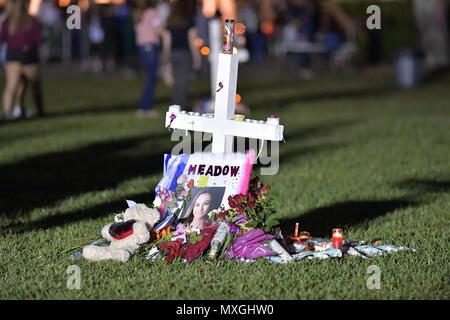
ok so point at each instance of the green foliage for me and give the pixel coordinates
(194, 238)
(226, 243)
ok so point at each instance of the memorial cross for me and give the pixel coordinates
(222, 124)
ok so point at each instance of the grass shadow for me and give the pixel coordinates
(320, 221)
(45, 179)
(98, 211)
(288, 155)
(283, 102)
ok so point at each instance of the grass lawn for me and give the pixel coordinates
(359, 154)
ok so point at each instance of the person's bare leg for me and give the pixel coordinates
(18, 104)
(12, 72)
(32, 73)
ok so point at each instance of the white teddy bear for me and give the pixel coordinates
(125, 236)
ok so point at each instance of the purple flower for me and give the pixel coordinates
(242, 220)
(234, 229)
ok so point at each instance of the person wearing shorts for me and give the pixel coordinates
(22, 35)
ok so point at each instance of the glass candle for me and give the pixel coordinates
(228, 38)
(337, 238)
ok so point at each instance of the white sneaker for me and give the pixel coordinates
(17, 112)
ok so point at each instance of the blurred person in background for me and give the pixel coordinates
(96, 38)
(248, 15)
(183, 54)
(149, 29)
(50, 17)
(22, 35)
(127, 41)
(431, 17)
(337, 30)
(108, 18)
(18, 97)
(317, 28)
(227, 8)
(300, 27)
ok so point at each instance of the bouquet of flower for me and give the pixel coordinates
(242, 213)
(251, 211)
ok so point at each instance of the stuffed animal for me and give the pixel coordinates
(125, 236)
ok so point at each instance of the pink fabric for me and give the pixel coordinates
(147, 28)
(247, 246)
(247, 171)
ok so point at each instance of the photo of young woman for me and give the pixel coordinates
(203, 201)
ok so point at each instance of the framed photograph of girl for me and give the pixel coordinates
(203, 200)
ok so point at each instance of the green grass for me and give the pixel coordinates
(359, 154)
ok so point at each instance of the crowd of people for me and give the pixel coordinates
(160, 37)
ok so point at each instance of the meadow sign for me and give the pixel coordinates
(202, 169)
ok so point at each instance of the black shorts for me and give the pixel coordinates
(23, 56)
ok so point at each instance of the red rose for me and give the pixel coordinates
(222, 215)
(231, 202)
(265, 188)
(250, 204)
(240, 208)
(191, 183)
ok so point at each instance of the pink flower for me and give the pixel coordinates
(265, 188)
(180, 230)
(184, 193)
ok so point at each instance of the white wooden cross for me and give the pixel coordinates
(222, 125)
